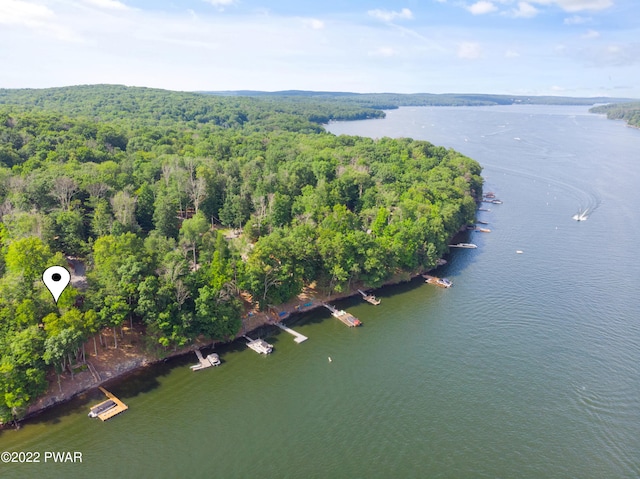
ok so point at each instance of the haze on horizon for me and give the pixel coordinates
(534, 47)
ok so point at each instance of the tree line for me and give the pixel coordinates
(629, 112)
(186, 224)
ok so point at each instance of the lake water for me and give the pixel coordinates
(529, 367)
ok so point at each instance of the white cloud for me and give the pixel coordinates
(577, 20)
(108, 4)
(17, 12)
(313, 23)
(482, 7)
(577, 5)
(525, 10)
(383, 52)
(38, 18)
(591, 34)
(390, 15)
(220, 4)
(469, 50)
(167, 47)
(557, 89)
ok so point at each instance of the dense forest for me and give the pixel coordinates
(389, 101)
(630, 112)
(190, 209)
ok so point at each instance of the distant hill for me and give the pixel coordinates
(156, 106)
(388, 101)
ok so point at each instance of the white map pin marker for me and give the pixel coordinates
(56, 279)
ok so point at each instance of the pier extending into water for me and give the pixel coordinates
(109, 408)
(348, 319)
(211, 360)
(259, 345)
(369, 298)
(298, 338)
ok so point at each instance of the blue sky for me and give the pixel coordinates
(557, 47)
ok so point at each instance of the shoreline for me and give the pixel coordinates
(306, 301)
(86, 380)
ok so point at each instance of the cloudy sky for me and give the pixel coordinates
(561, 47)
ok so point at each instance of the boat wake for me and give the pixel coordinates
(588, 200)
(581, 215)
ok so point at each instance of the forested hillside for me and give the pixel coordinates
(151, 106)
(388, 101)
(185, 207)
(630, 112)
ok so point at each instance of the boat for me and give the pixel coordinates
(348, 319)
(483, 230)
(259, 345)
(442, 282)
(95, 411)
(463, 245)
(490, 194)
(369, 298)
(211, 360)
(581, 215)
(108, 408)
(214, 359)
(496, 202)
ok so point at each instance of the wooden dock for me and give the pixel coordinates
(343, 316)
(298, 338)
(113, 406)
(211, 360)
(369, 298)
(259, 345)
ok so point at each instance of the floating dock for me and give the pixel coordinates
(259, 345)
(298, 338)
(211, 360)
(109, 408)
(343, 316)
(369, 298)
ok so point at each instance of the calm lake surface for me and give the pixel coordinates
(529, 367)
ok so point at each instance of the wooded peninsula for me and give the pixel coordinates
(190, 209)
(629, 112)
